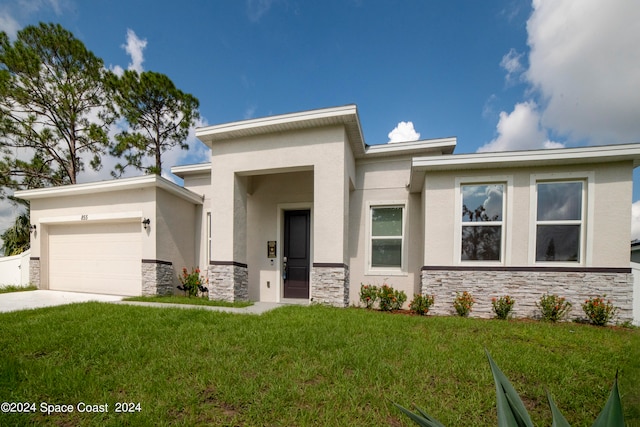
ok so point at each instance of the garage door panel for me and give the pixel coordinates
(100, 258)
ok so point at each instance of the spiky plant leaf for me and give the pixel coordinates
(558, 419)
(422, 419)
(511, 410)
(612, 414)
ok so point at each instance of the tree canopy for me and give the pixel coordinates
(55, 109)
(159, 117)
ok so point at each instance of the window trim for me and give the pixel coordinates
(586, 224)
(386, 271)
(506, 223)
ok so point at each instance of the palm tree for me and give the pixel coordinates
(16, 238)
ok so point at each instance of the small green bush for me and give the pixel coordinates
(553, 307)
(391, 299)
(421, 303)
(368, 295)
(598, 311)
(502, 306)
(463, 303)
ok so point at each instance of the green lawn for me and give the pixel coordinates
(178, 299)
(302, 366)
(14, 288)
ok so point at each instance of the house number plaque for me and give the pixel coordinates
(271, 249)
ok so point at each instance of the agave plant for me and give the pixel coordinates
(512, 413)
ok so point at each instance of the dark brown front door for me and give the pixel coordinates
(296, 254)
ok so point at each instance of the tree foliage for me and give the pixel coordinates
(54, 107)
(159, 117)
(16, 239)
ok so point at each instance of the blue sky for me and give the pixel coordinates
(499, 75)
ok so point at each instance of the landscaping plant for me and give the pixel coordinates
(368, 295)
(512, 412)
(391, 299)
(192, 282)
(421, 303)
(553, 307)
(463, 303)
(598, 311)
(502, 306)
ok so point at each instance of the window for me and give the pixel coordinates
(482, 222)
(559, 221)
(209, 248)
(386, 237)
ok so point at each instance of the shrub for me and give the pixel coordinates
(421, 304)
(502, 306)
(368, 295)
(553, 307)
(390, 299)
(192, 282)
(598, 311)
(463, 303)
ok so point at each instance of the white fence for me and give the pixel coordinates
(635, 268)
(14, 270)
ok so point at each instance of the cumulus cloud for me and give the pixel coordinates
(511, 62)
(520, 130)
(635, 220)
(134, 48)
(403, 132)
(583, 62)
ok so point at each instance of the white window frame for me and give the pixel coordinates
(209, 240)
(506, 223)
(386, 271)
(586, 225)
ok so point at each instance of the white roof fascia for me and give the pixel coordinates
(565, 156)
(441, 145)
(183, 170)
(544, 157)
(110, 186)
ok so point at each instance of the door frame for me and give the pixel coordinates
(281, 208)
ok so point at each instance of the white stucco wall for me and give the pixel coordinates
(14, 270)
(608, 221)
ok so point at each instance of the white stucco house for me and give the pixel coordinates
(296, 207)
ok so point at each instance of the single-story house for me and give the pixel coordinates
(296, 207)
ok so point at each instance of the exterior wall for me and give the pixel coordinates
(526, 286)
(608, 223)
(228, 282)
(201, 184)
(158, 278)
(330, 284)
(176, 226)
(236, 165)
(269, 195)
(380, 181)
(34, 272)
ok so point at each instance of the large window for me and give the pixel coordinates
(559, 221)
(482, 222)
(386, 237)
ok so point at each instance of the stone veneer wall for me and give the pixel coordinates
(526, 286)
(330, 284)
(228, 281)
(157, 277)
(34, 271)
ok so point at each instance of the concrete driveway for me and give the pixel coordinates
(14, 301)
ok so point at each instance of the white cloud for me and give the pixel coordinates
(584, 63)
(256, 9)
(403, 132)
(8, 24)
(520, 130)
(512, 65)
(635, 220)
(134, 48)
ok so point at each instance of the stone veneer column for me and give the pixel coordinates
(330, 284)
(526, 285)
(157, 277)
(34, 271)
(228, 281)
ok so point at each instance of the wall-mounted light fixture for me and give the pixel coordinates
(32, 228)
(145, 223)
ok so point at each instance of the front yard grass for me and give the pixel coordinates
(303, 366)
(13, 288)
(177, 299)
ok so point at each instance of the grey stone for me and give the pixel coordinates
(228, 283)
(330, 285)
(157, 278)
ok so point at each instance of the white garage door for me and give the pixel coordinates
(97, 258)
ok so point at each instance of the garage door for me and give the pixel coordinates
(97, 258)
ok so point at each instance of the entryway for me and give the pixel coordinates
(296, 254)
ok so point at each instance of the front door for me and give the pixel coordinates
(295, 261)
